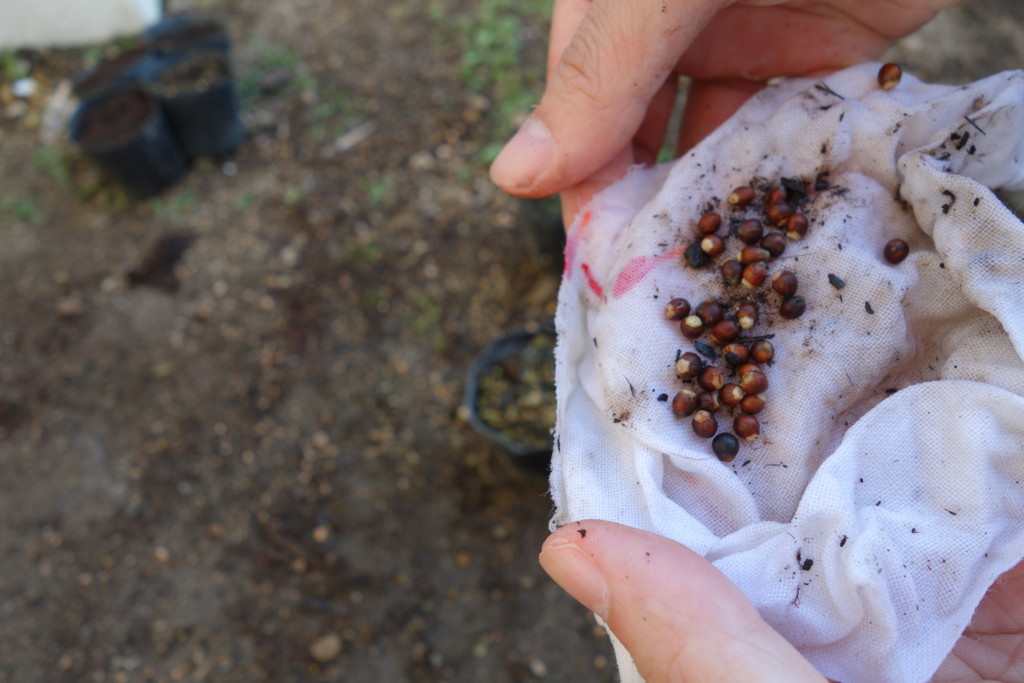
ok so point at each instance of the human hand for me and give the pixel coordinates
(682, 620)
(613, 68)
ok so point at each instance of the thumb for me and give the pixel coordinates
(608, 59)
(678, 616)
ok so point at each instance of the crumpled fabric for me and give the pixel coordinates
(886, 492)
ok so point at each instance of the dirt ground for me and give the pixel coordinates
(265, 475)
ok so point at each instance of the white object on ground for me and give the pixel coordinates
(901, 507)
(65, 23)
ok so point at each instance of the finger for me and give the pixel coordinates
(678, 616)
(599, 92)
(708, 105)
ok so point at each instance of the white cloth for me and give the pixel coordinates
(903, 506)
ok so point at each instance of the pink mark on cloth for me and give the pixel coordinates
(637, 269)
(595, 286)
(572, 241)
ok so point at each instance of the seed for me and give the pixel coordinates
(754, 274)
(751, 254)
(762, 352)
(777, 194)
(784, 282)
(741, 196)
(731, 394)
(836, 281)
(753, 382)
(889, 76)
(746, 427)
(711, 378)
(709, 223)
(752, 404)
(691, 327)
(749, 232)
(796, 226)
(710, 312)
(793, 307)
(778, 212)
(704, 424)
(695, 256)
(747, 367)
(732, 272)
(677, 309)
(684, 403)
(736, 354)
(712, 245)
(725, 446)
(747, 314)
(896, 250)
(689, 365)
(774, 243)
(708, 400)
(724, 332)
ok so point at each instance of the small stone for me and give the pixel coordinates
(326, 647)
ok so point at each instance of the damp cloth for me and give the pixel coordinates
(886, 491)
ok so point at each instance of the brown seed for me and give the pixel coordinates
(754, 274)
(708, 400)
(749, 232)
(778, 212)
(747, 315)
(793, 307)
(731, 394)
(774, 243)
(725, 447)
(896, 250)
(684, 403)
(751, 254)
(704, 424)
(689, 365)
(746, 427)
(732, 272)
(710, 312)
(889, 76)
(796, 226)
(709, 223)
(777, 194)
(736, 354)
(691, 327)
(762, 352)
(747, 367)
(712, 245)
(741, 196)
(753, 382)
(711, 378)
(784, 282)
(724, 332)
(752, 404)
(677, 309)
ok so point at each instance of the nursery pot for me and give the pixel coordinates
(198, 93)
(126, 70)
(126, 134)
(510, 396)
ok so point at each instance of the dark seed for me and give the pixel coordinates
(677, 309)
(793, 307)
(684, 403)
(762, 352)
(752, 404)
(736, 354)
(710, 312)
(796, 226)
(689, 365)
(784, 282)
(746, 315)
(754, 274)
(889, 76)
(732, 272)
(774, 243)
(712, 245)
(896, 250)
(749, 232)
(691, 327)
(778, 212)
(711, 378)
(708, 400)
(836, 281)
(725, 446)
(705, 350)
(704, 424)
(746, 427)
(753, 382)
(695, 256)
(709, 223)
(731, 394)
(725, 332)
(741, 196)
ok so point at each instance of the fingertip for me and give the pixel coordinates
(524, 159)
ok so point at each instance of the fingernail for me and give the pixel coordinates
(574, 570)
(524, 157)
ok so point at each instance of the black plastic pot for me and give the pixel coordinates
(126, 134)
(198, 92)
(126, 71)
(509, 351)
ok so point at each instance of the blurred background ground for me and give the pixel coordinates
(265, 476)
